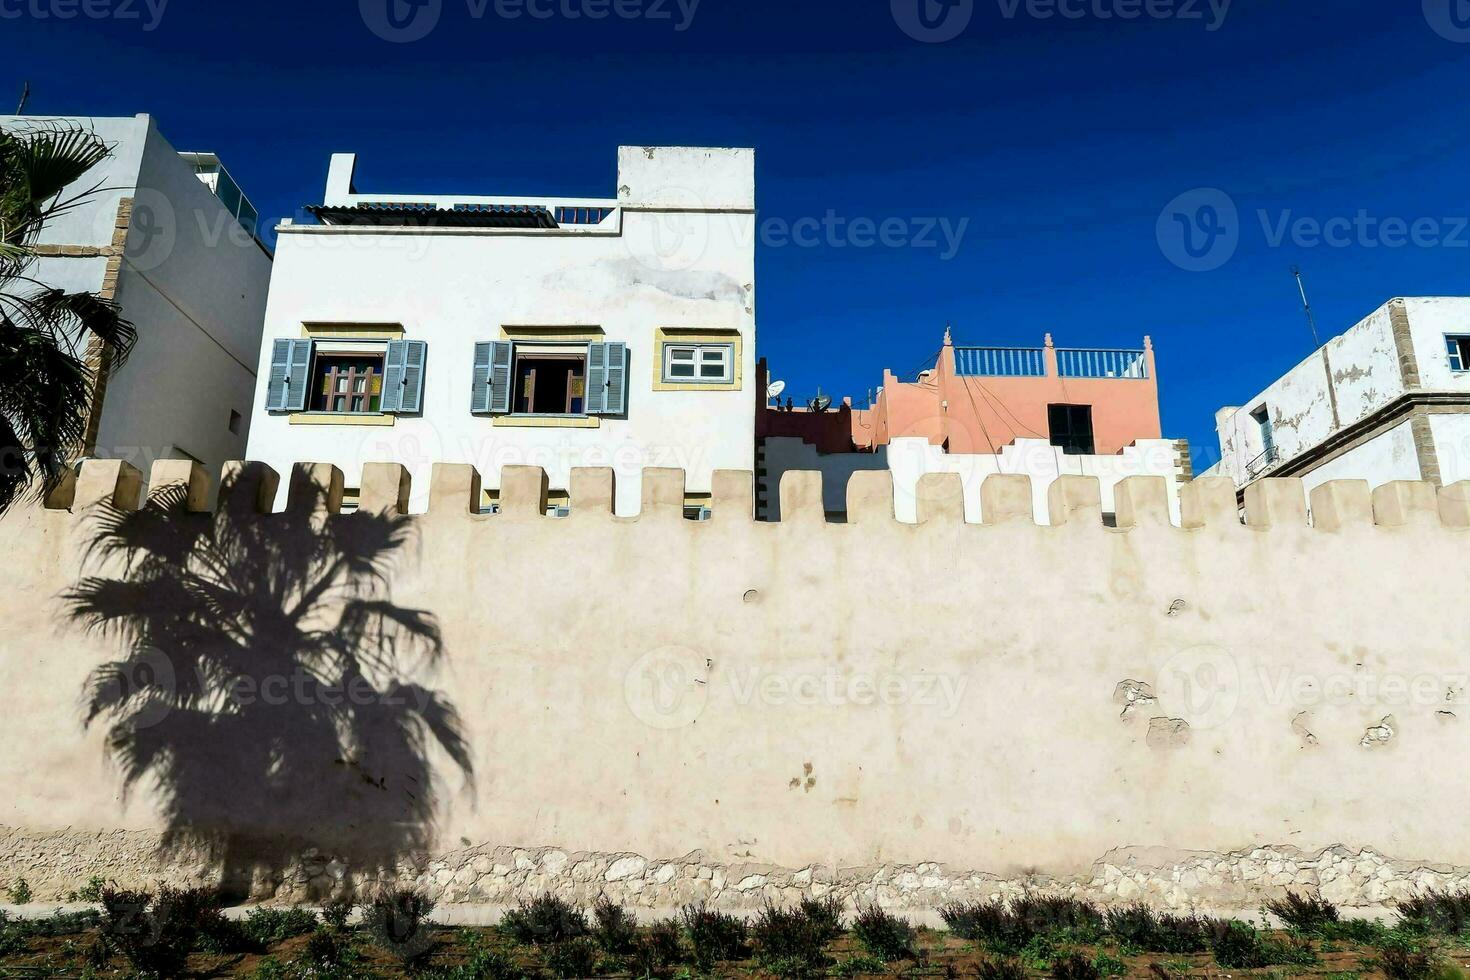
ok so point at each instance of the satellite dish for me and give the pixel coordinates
(775, 389)
(822, 402)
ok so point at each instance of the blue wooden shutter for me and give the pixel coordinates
(595, 402)
(286, 388)
(403, 376)
(480, 392)
(501, 353)
(617, 379)
(393, 370)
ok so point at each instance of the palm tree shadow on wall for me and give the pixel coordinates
(262, 696)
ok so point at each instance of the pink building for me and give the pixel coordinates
(1043, 411)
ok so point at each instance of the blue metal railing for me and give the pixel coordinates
(582, 215)
(1000, 362)
(1102, 364)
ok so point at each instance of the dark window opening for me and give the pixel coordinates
(1071, 429)
(235, 419)
(348, 385)
(551, 384)
(1459, 353)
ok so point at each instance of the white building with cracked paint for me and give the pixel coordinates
(1387, 400)
(495, 331)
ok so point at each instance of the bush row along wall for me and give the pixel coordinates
(303, 702)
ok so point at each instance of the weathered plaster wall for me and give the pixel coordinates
(745, 710)
(1388, 456)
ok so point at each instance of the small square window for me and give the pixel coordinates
(1459, 349)
(699, 363)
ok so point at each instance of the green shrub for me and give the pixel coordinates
(544, 920)
(1240, 946)
(572, 957)
(989, 923)
(1109, 966)
(857, 966)
(1402, 962)
(1074, 966)
(19, 892)
(1004, 968)
(272, 926)
(614, 927)
(336, 913)
(1304, 913)
(791, 942)
(825, 914)
(134, 925)
(715, 936)
(885, 936)
(90, 892)
(1139, 927)
(1043, 914)
(658, 949)
(1436, 911)
(397, 919)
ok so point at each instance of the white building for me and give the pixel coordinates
(1387, 400)
(615, 332)
(171, 239)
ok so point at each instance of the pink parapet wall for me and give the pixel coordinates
(980, 414)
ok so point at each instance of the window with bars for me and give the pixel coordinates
(351, 385)
(699, 363)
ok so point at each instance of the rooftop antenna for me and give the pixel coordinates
(1302, 288)
(25, 96)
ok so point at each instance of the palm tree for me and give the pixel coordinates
(261, 695)
(45, 382)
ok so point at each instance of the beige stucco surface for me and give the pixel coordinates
(1002, 699)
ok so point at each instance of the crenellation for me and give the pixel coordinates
(454, 488)
(185, 473)
(112, 480)
(1006, 498)
(523, 493)
(316, 488)
(1340, 504)
(732, 497)
(870, 497)
(1275, 503)
(941, 499)
(1454, 505)
(1142, 501)
(385, 490)
(593, 490)
(248, 488)
(801, 498)
(1406, 502)
(663, 494)
(1209, 502)
(1075, 500)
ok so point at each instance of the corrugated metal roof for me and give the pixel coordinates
(428, 215)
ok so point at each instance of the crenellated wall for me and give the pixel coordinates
(663, 710)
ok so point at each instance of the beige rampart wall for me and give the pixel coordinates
(665, 710)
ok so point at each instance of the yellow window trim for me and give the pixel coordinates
(590, 335)
(532, 422)
(352, 331)
(689, 335)
(330, 418)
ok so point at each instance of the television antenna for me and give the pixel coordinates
(1301, 286)
(25, 96)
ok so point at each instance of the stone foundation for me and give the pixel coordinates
(56, 864)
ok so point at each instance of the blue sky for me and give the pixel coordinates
(1055, 136)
